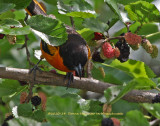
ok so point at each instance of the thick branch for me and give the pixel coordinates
(93, 85)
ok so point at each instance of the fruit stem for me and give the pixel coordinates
(157, 88)
(150, 35)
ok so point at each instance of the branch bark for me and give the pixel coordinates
(48, 78)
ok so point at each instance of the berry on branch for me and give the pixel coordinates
(135, 47)
(107, 51)
(35, 100)
(96, 57)
(98, 36)
(2, 36)
(156, 99)
(23, 97)
(124, 50)
(107, 122)
(147, 46)
(154, 54)
(132, 39)
(116, 52)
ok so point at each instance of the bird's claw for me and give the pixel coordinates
(69, 76)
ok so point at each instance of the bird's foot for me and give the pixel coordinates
(34, 69)
(70, 78)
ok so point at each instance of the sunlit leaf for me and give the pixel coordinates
(141, 11)
(55, 29)
(135, 118)
(15, 31)
(80, 14)
(20, 4)
(5, 7)
(62, 111)
(154, 109)
(114, 6)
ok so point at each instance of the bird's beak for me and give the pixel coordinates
(78, 69)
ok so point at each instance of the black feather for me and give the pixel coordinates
(74, 52)
(45, 48)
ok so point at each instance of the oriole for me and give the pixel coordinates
(68, 57)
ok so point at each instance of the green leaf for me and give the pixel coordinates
(86, 33)
(80, 14)
(72, 95)
(154, 109)
(94, 107)
(74, 6)
(15, 31)
(38, 115)
(114, 93)
(125, 2)
(143, 83)
(60, 91)
(135, 118)
(9, 22)
(20, 4)
(144, 29)
(62, 111)
(55, 30)
(8, 87)
(113, 74)
(7, 14)
(24, 110)
(5, 7)
(136, 68)
(141, 11)
(53, 2)
(114, 7)
(93, 122)
(153, 29)
(105, 12)
(118, 107)
(19, 14)
(95, 25)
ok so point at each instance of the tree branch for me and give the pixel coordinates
(48, 78)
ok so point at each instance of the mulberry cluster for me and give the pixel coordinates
(107, 122)
(96, 57)
(132, 39)
(98, 36)
(109, 52)
(2, 36)
(151, 49)
(124, 50)
(23, 97)
(35, 100)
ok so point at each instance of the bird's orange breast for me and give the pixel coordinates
(55, 60)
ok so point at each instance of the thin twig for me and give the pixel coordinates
(138, 28)
(27, 51)
(23, 46)
(30, 93)
(72, 23)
